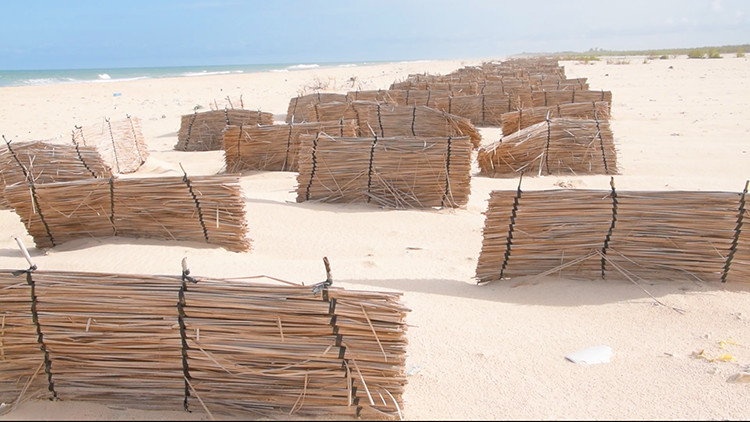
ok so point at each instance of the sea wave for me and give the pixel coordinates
(211, 73)
(303, 66)
(104, 76)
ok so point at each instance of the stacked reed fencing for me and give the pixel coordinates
(385, 120)
(252, 346)
(205, 131)
(514, 121)
(560, 146)
(207, 209)
(45, 162)
(120, 143)
(274, 147)
(593, 234)
(299, 108)
(545, 98)
(401, 172)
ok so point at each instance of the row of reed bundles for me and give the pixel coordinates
(45, 162)
(590, 234)
(401, 172)
(274, 147)
(388, 121)
(487, 84)
(482, 110)
(560, 146)
(204, 131)
(222, 345)
(514, 121)
(205, 209)
(120, 143)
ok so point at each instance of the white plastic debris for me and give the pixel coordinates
(591, 355)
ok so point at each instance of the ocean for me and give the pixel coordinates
(103, 75)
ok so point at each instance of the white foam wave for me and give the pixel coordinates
(104, 76)
(303, 66)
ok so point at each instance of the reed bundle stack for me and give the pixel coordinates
(552, 98)
(206, 209)
(45, 162)
(299, 107)
(332, 111)
(595, 234)
(414, 121)
(556, 146)
(204, 131)
(274, 147)
(120, 143)
(395, 172)
(227, 346)
(514, 121)
(383, 96)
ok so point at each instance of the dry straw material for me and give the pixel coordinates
(597, 233)
(274, 147)
(252, 347)
(207, 209)
(46, 162)
(204, 131)
(399, 172)
(555, 146)
(514, 121)
(120, 143)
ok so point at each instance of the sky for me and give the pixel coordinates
(81, 34)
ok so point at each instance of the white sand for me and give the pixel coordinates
(475, 352)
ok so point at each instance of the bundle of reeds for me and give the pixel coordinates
(384, 120)
(555, 83)
(120, 143)
(299, 107)
(274, 147)
(514, 121)
(235, 347)
(206, 209)
(555, 146)
(386, 96)
(552, 98)
(394, 172)
(532, 232)
(596, 234)
(331, 111)
(204, 131)
(47, 162)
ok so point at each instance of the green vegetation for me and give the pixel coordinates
(697, 52)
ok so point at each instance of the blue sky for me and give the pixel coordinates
(63, 34)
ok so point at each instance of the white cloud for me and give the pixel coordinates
(716, 6)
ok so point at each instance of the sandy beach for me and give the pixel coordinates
(491, 352)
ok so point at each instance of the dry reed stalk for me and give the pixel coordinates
(204, 131)
(514, 121)
(331, 111)
(299, 108)
(642, 234)
(158, 343)
(46, 162)
(555, 146)
(274, 147)
(120, 143)
(397, 172)
(206, 209)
